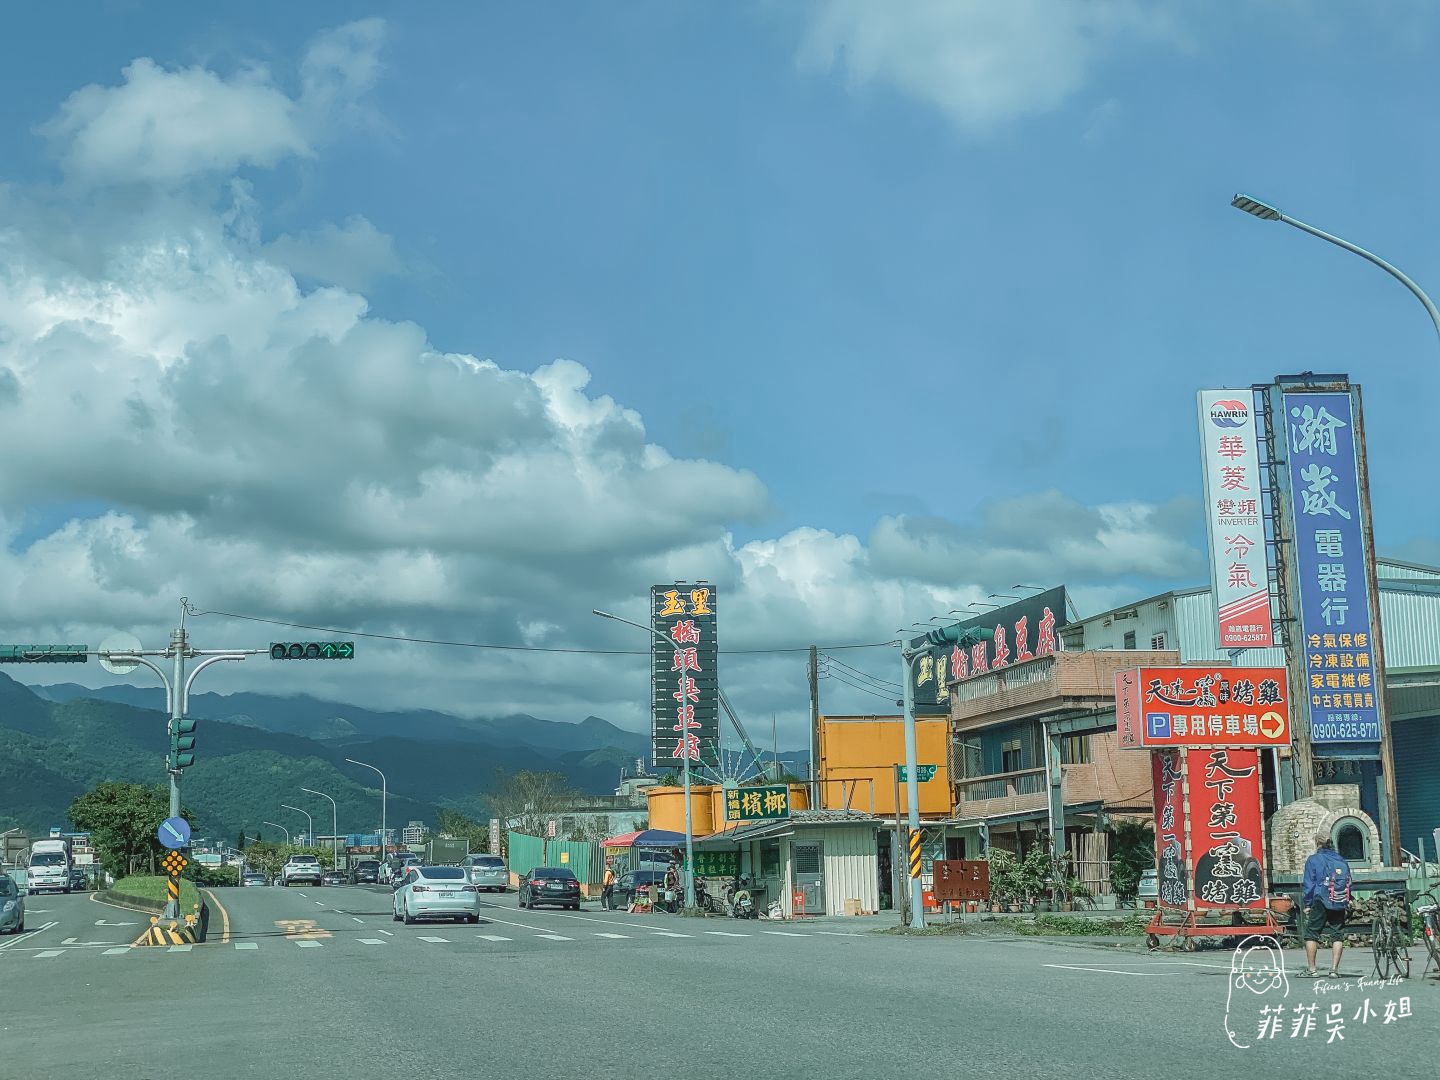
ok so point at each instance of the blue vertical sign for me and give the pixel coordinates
(1332, 578)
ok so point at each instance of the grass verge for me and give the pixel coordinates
(1039, 926)
(150, 892)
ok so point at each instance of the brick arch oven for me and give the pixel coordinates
(1333, 809)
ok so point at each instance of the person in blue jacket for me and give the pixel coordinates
(1326, 900)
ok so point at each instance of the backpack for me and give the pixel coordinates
(1337, 882)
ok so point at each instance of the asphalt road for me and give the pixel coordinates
(321, 983)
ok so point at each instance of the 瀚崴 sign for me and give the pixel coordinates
(1332, 568)
(1024, 630)
(1201, 706)
(1234, 518)
(684, 686)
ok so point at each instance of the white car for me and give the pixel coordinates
(436, 892)
(304, 869)
(488, 872)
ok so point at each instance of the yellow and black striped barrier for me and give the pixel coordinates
(915, 854)
(184, 931)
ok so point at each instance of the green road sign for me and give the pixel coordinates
(923, 773)
(312, 650)
(43, 654)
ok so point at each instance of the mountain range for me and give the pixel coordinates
(255, 752)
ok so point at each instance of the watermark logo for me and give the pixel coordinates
(1257, 969)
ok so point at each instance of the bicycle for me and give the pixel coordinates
(1427, 908)
(1389, 935)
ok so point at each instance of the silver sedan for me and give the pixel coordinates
(436, 892)
(12, 906)
(488, 872)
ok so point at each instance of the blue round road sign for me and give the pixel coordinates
(173, 833)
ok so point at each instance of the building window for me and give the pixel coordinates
(1075, 750)
(1011, 758)
(1157, 643)
(1129, 639)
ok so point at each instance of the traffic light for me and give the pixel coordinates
(182, 744)
(43, 654)
(955, 635)
(312, 650)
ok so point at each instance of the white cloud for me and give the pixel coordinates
(983, 63)
(165, 127)
(354, 255)
(270, 450)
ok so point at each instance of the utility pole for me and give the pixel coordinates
(816, 795)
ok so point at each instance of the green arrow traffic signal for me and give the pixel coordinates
(312, 650)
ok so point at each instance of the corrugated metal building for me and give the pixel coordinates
(1185, 620)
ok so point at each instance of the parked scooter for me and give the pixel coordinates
(738, 904)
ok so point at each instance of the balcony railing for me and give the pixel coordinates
(1023, 791)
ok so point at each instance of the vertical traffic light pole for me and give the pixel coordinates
(177, 685)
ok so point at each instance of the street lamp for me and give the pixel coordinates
(909, 653)
(334, 825)
(282, 828)
(1266, 212)
(384, 797)
(685, 772)
(310, 841)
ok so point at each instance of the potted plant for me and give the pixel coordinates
(1073, 890)
(1281, 904)
(1004, 883)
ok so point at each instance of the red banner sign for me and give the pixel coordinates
(1209, 828)
(1202, 706)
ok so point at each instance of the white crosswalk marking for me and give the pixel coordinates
(310, 944)
(372, 941)
(48, 953)
(724, 933)
(552, 937)
(614, 937)
(782, 933)
(491, 937)
(437, 940)
(247, 944)
(666, 933)
(116, 952)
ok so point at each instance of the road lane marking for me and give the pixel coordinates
(783, 933)
(22, 938)
(724, 933)
(319, 903)
(46, 954)
(180, 948)
(583, 918)
(492, 937)
(835, 933)
(613, 937)
(437, 940)
(552, 937)
(247, 944)
(310, 944)
(116, 952)
(521, 925)
(371, 941)
(306, 895)
(1107, 971)
(224, 918)
(667, 933)
(102, 922)
(354, 919)
(387, 933)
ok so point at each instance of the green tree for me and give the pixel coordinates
(452, 823)
(1133, 844)
(121, 820)
(526, 801)
(240, 845)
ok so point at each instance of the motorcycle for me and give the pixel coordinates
(738, 903)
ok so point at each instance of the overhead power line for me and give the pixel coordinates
(517, 648)
(884, 683)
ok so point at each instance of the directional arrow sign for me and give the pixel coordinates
(173, 833)
(923, 773)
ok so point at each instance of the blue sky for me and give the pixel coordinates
(903, 263)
